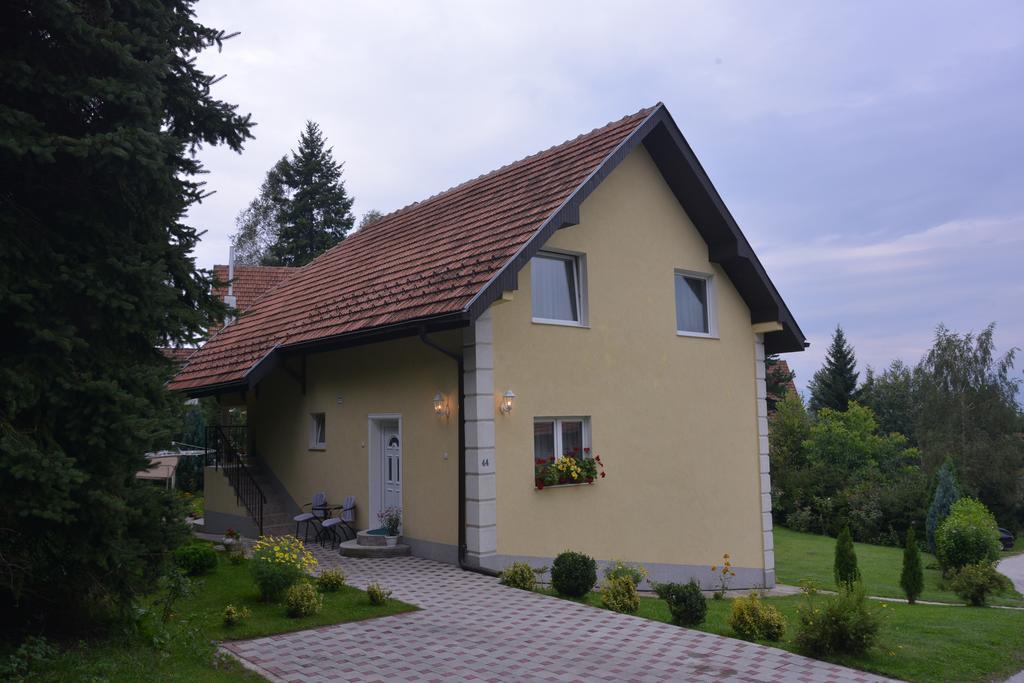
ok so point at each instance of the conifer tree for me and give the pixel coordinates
(302, 209)
(103, 104)
(834, 385)
(845, 568)
(912, 575)
(946, 493)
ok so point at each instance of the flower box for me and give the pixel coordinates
(572, 469)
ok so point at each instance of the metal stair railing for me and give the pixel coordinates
(227, 446)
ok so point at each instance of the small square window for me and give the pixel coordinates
(555, 288)
(695, 305)
(318, 430)
(557, 436)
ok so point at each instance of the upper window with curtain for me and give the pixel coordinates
(555, 283)
(695, 312)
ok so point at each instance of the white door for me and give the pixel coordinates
(391, 448)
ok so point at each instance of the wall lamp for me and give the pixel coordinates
(506, 402)
(441, 405)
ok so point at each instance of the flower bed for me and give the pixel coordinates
(577, 467)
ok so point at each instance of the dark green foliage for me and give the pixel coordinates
(302, 209)
(968, 535)
(845, 567)
(975, 582)
(966, 402)
(890, 396)
(102, 106)
(573, 574)
(196, 559)
(835, 384)
(843, 625)
(686, 602)
(369, 218)
(946, 493)
(912, 574)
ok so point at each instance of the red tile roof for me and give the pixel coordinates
(178, 356)
(781, 367)
(250, 282)
(429, 259)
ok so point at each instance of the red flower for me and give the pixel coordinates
(586, 450)
(540, 486)
(590, 480)
(602, 475)
(597, 458)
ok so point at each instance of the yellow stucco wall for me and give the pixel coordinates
(674, 418)
(393, 377)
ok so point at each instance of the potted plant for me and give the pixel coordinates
(390, 519)
(231, 541)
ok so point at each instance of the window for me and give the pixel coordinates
(555, 282)
(561, 436)
(695, 304)
(318, 430)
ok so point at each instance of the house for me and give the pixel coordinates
(596, 296)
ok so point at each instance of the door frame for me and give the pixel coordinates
(375, 463)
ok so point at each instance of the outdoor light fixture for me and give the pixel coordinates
(506, 402)
(441, 405)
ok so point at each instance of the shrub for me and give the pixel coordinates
(912, 575)
(519, 575)
(845, 567)
(303, 600)
(378, 594)
(844, 625)
(618, 594)
(634, 572)
(330, 581)
(196, 559)
(968, 535)
(236, 558)
(686, 603)
(277, 563)
(975, 582)
(234, 615)
(573, 574)
(754, 619)
(32, 653)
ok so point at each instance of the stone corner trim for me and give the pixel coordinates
(481, 493)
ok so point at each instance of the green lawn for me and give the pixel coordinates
(185, 650)
(800, 556)
(916, 643)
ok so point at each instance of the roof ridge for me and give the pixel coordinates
(517, 162)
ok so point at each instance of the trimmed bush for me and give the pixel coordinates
(912, 575)
(968, 535)
(686, 603)
(330, 581)
(233, 615)
(378, 594)
(619, 594)
(573, 574)
(844, 625)
(519, 575)
(634, 572)
(196, 559)
(975, 582)
(754, 619)
(303, 600)
(845, 568)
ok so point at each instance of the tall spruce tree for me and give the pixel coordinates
(946, 493)
(102, 106)
(834, 385)
(302, 209)
(776, 380)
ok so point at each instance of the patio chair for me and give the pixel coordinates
(314, 516)
(332, 525)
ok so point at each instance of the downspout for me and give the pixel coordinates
(457, 357)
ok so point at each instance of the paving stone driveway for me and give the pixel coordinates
(471, 628)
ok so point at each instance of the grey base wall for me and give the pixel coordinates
(219, 522)
(431, 550)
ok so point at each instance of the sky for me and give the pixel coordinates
(872, 152)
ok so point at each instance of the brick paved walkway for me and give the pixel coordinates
(471, 628)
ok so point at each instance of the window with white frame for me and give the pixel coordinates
(318, 430)
(695, 304)
(557, 436)
(556, 283)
